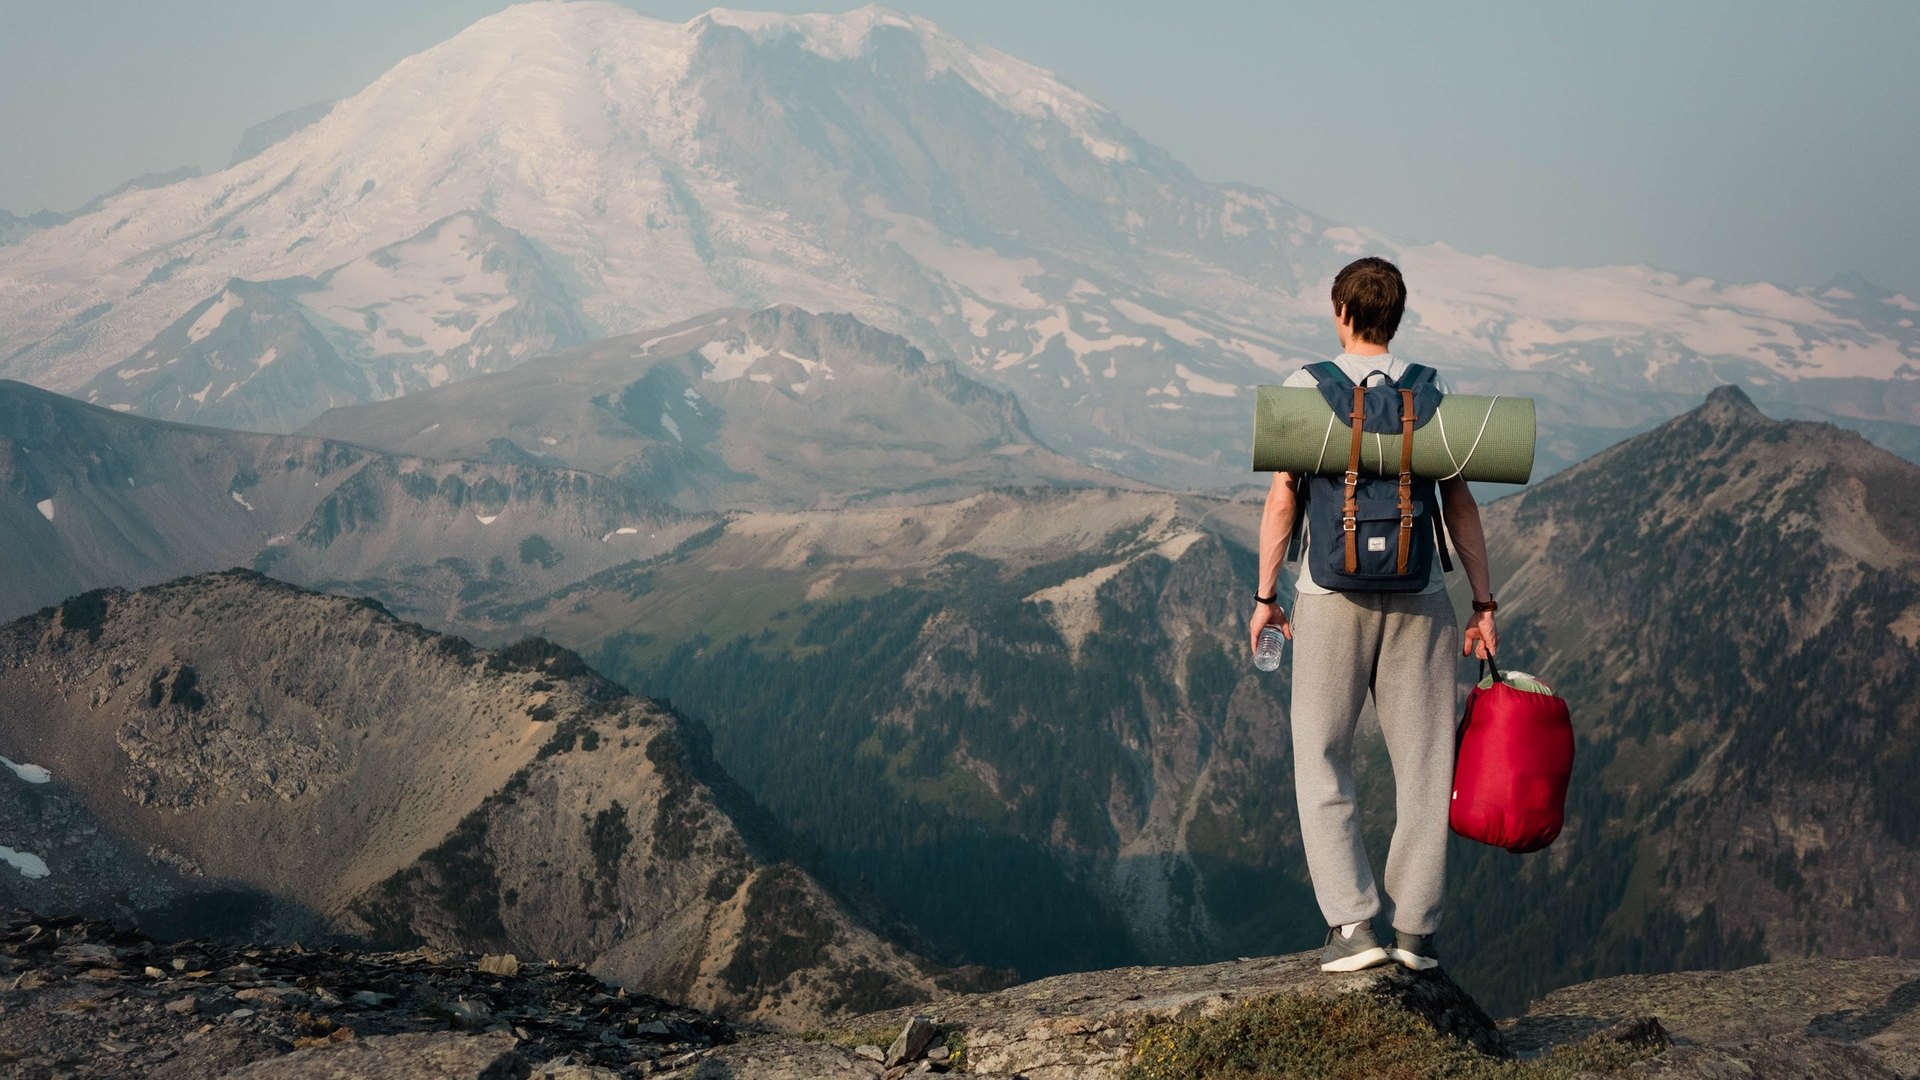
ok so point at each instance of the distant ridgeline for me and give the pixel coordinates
(467, 504)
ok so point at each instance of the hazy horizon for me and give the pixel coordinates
(1738, 141)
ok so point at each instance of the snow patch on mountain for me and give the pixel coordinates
(1179, 330)
(1200, 384)
(32, 774)
(424, 295)
(212, 318)
(985, 274)
(31, 866)
(730, 359)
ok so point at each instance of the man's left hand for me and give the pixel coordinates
(1265, 615)
(1480, 640)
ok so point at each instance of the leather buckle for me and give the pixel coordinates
(1349, 525)
(1352, 477)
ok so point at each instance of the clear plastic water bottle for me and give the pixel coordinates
(1266, 655)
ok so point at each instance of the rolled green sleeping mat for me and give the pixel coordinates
(1489, 439)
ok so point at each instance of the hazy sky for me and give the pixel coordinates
(1744, 139)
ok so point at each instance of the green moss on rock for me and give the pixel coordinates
(1353, 1036)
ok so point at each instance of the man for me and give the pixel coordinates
(1396, 644)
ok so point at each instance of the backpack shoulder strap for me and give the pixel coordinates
(1326, 371)
(1406, 481)
(1350, 483)
(1296, 540)
(1334, 385)
(1426, 394)
(1414, 377)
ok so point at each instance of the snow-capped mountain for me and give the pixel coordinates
(644, 171)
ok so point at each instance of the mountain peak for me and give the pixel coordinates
(1855, 283)
(1729, 402)
(837, 35)
(1013, 84)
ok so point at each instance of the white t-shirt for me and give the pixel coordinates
(1358, 368)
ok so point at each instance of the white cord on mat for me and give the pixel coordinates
(1320, 463)
(1458, 465)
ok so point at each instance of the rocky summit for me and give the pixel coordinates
(82, 999)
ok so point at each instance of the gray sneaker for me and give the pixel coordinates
(1415, 951)
(1356, 953)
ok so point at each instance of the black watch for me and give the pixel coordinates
(1274, 599)
(1490, 605)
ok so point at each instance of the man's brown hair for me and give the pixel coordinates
(1372, 295)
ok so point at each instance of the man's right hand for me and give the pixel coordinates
(1265, 615)
(1480, 639)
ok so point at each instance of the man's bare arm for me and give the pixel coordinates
(1276, 528)
(1462, 516)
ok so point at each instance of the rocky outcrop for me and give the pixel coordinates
(400, 1057)
(268, 761)
(1082, 1026)
(1799, 1018)
(84, 1000)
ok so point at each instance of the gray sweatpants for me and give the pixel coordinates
(1402, 646)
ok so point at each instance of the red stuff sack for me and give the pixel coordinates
(1511, 764)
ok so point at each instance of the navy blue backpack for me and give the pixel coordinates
(1373, 533)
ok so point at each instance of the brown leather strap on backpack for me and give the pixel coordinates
(1406, 479)
(1350, 509)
